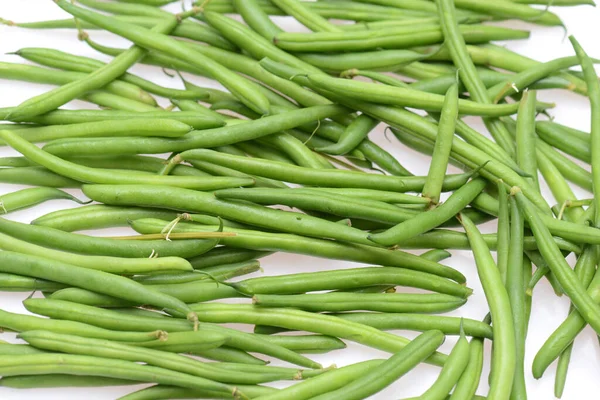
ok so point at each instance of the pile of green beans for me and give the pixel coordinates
(284, 160)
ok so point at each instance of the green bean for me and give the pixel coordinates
(26, 198)
(18, 283)
(359, 26)
(420, 322)
(306, 344)
(431, 219)
(67, 117)
(256, 18)
(515, 287)
(225, 255)
(185, 29)
(133, 127)
(57, 97)
(178, 328)
(594, 97)
(54, 238)
(559, 267)
(503, 231)
(318, 177)
(212, 138)
(451, 372)
(60, 381)
(187, 292)
(41, 364)
(323, 383)
(159, 42)
(36, 176)
(573, 146)
(218, 170)
(21, 323)
(377, 195)
(240, 340)
(511, 10)
(396, 38)
(571, 170)
(382, 60)
(61, 60)
(305, 16)
(353, 135)
(98, 216)
(86, 278)
(388, 371)
(504, 351)
(159, 392)
(115, 265)
(30, 73)
(322, 201)
(525, 137)
(114, 102)
(469, 380)
(397, 96)
(219, 272)
(75, 345)
(382, 302)
(300, 320)
(455, 42)
(8, 349)
(443, 146)
(230, 355)
(349, 279)
(87, 174)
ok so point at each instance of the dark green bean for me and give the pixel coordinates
(433, 218)
(54, 238)
(504, 351)
(21, 323)
(159, 392)
(26, 198)
(381, 302)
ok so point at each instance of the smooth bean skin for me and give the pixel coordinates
(323, 383)
(98, 216)
(390, 370)
(219, 272)
(420, 322)
(321, 201)
(30, 73)
(349, 279)
(114, 265)
(451, 372)
(109, 284)
(82, 244)
(19, 283)
(129, 127)
(21, 323)
(402, 97)
(194, 201)
(423, 222)
(225, 255)
(208, 138)
(42, 364)
(319, 177)
(190, 292)
(305, 321)
(382, 60)
(26, 198)
(306, 343)
(504, 352)
(67, 117)
(256, 240)
(75, 345)
(60, 381)
(388, 39)
(95, 175)
(338, 302)
(36, 176)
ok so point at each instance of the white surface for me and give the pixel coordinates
(548, 310)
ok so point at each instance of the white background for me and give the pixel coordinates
(546, 43)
